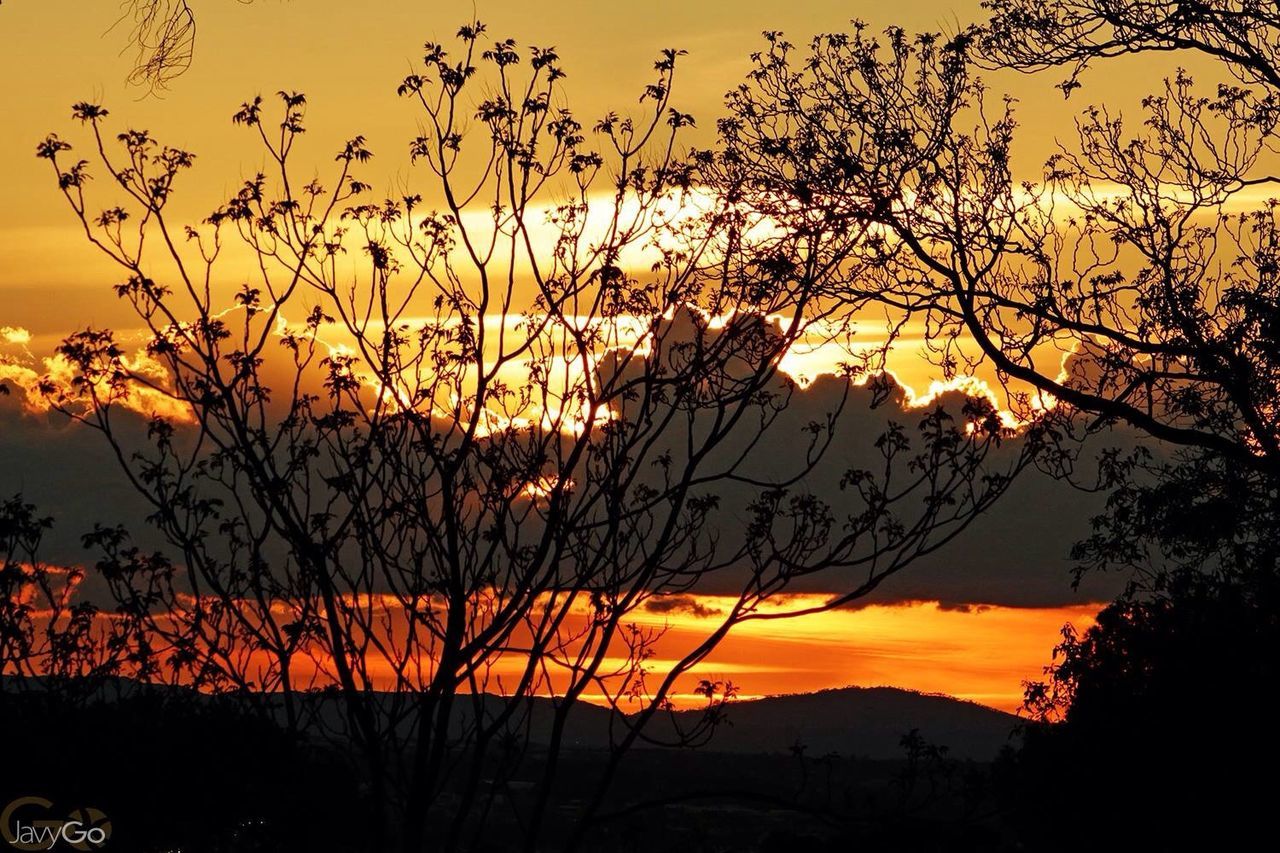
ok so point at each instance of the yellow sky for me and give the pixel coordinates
(348, 58)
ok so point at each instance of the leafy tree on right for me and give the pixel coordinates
(1134, 286)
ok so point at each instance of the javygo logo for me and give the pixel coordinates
(26, 825)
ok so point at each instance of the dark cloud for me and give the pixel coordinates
(680, 604)
(963, 608)
(1016, 554)
(70, 472)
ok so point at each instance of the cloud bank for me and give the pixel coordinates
(1015, 554)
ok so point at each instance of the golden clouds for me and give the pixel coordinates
(55, 382)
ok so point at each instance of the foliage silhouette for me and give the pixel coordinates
(1119, 285)
(419, 468)
(1134, 285)
(1145, 722)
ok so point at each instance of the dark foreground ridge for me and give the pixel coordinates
(173, 769)
(856, 722)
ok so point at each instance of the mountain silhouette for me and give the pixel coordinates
(866, 722)
(862, 722)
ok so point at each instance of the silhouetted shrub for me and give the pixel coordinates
(1162, 732)
(173, 771)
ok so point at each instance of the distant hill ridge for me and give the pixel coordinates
(863, 722)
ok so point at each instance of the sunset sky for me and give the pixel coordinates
(973, 621)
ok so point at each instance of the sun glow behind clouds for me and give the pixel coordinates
(558, 367)
(53, 379)
(981, 654)
(814, 354)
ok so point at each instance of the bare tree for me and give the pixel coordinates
(163, 33)
(1076, 33)
(433, 451)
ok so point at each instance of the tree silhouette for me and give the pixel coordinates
(1135, 284)
(1144, 719)
(1077, 33)
(1139, 716)
(420, 459)
(1123, 285)
(50, 635)
(163, 33)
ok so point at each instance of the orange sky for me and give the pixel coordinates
(982, 654)
(348, 58)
